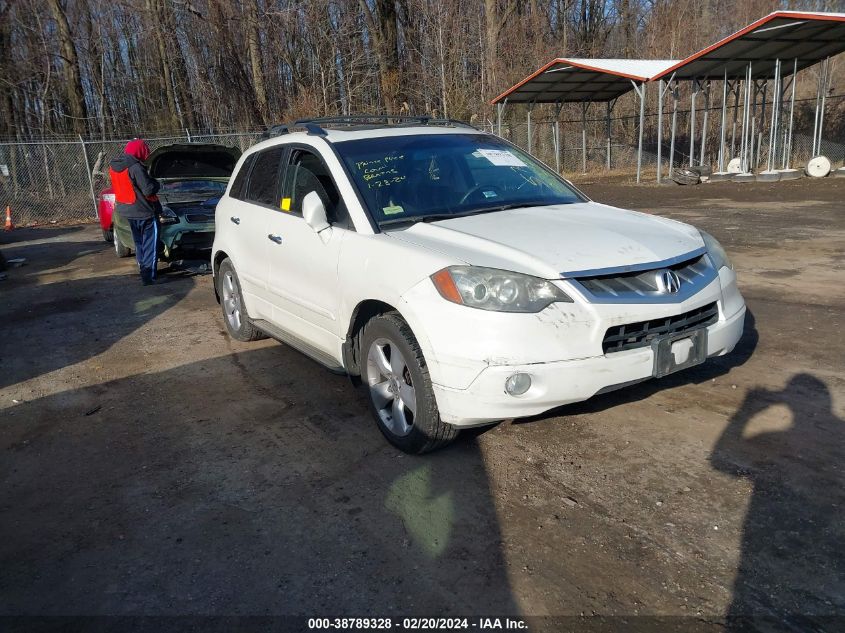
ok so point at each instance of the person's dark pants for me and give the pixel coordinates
(145, 235)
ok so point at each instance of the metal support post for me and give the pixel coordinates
(607, 127)
(746, 120)
(660, 93)
(529, 128)
(825, 81)
(499, 108)
(695, 87)
(90, 175)
(704, 122)
(788, 155)
(737, 87)
(557, 136)
(753, 136)
(584, 106)
(674, 127)
(773, 133)
(722, 161)
(641, 93)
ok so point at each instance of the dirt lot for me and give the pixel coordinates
(150, 465)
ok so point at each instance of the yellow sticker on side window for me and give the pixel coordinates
(285, 204)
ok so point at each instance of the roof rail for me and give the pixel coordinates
(316, 127)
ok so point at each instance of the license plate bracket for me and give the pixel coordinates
(665, 362)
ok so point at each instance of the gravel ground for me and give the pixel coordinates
(151, 465)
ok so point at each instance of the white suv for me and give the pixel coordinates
(458, 278)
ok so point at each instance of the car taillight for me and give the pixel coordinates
(108, 197)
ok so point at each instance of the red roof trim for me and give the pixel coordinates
(562, 60)
(796, 15)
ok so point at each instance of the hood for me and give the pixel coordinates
(123, 161)
(558, 240)
(193, 160)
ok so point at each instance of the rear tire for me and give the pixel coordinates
(238, 324)
(119, 249)
(108, 235)
(401, 397)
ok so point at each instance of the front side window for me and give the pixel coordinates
(263, 184)
(306, 173)
(404, 178)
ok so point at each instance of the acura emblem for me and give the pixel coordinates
(668, 281)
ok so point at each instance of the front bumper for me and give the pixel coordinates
(471, 353)
(563, 382)
(185, 236)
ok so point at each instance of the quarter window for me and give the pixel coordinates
(263, 185)
(239, 184)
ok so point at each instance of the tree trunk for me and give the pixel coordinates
(382, 24)
(491, 15)
(154, 9)
(253, 44)
(72, 79)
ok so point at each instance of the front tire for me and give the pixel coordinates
(108, 235)
(119, 249)
(400, 392)
(235, 316)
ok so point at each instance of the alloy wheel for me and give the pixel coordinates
(391, 386)
(231, 300)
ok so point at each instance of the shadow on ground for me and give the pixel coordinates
(54, 325)
(233, 486)
(792, 559)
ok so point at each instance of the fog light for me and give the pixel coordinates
(518, 384)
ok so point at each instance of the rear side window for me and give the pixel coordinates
(239, 184)
(263, 187)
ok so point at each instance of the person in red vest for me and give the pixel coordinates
(136, 201)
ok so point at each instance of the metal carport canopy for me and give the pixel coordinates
(583, 80)
(808, 37)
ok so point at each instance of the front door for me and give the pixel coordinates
(303, 279)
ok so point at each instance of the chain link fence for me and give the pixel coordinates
(58, 181)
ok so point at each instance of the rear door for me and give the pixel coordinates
(303, 280)
(245, 217)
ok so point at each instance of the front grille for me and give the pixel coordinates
(694, 273)
(200, 217)
(196, 240)
(634, 335)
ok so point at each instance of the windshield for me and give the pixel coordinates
(416, 177)
(193, 186)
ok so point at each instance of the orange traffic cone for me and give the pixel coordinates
(9, 225)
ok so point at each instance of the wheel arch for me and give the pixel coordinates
(218, 258)
(361, 314)
(365, 310)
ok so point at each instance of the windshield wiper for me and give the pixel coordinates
(413, 219)
(436, 217)
(500, 207)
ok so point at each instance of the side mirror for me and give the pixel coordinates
(314, 212)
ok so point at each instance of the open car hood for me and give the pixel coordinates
(193, 160)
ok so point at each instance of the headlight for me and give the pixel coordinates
(168, 216)
(714, 249)
(496, 290)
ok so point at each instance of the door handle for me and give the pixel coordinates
(235, 220)
(275, 238)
